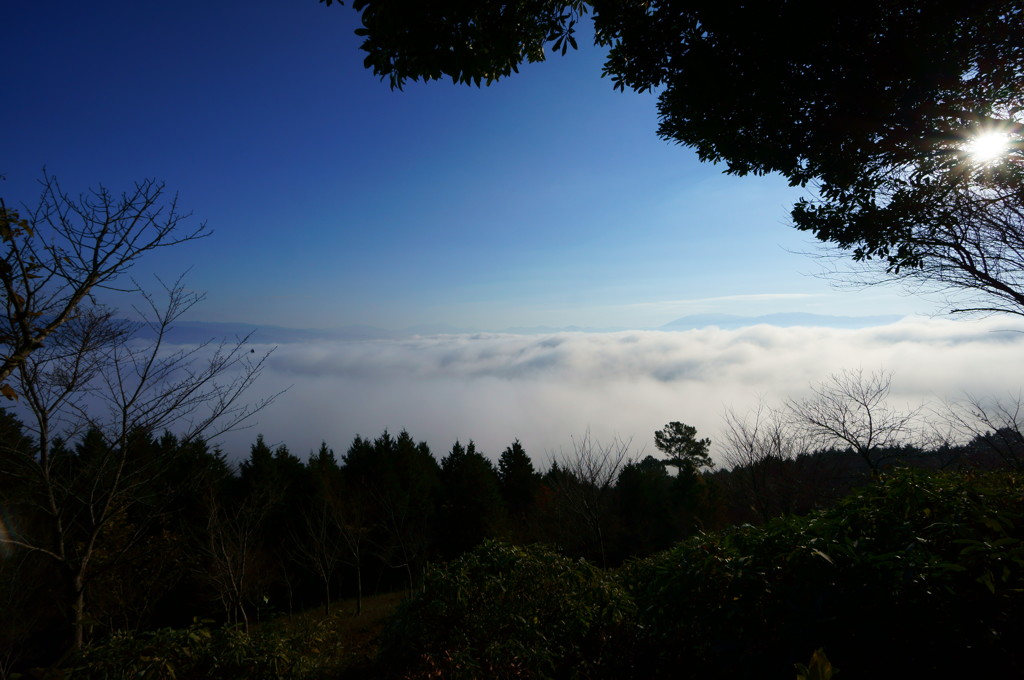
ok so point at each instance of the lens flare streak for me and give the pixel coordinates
(988, 147)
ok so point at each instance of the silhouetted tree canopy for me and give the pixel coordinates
(648, 506)
(469, 42)
(519, 480)
(472, 508)
(679, 442)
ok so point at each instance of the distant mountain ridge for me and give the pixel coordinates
(191, 332)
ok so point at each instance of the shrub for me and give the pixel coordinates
(502, 611)
(192, 653)
(915, 573)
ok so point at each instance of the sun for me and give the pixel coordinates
(987, 147)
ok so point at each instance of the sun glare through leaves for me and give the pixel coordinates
(988, 147)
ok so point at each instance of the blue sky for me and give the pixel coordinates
(546, 199)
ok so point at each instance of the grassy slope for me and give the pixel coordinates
(343, 644)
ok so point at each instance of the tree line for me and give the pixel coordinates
(115, 541)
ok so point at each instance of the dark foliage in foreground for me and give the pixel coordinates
(888, 582)
(915, 574)
(191, 653)
(503, 611)
(281, 535)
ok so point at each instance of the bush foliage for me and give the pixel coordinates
(502, 611)
(909, 568)
(914, 574)
(193, 653)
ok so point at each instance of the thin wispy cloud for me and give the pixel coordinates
(747, 297)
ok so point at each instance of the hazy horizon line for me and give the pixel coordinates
(357, 331)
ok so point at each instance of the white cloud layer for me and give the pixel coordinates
(544, 389)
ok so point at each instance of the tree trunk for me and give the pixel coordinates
(79, 613)
(359, 589)
(245, 617)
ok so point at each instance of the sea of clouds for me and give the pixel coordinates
(547, 389)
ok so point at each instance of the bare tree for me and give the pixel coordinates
(58, 253)
(196, 390)
(851, 409)
(346, 507)
(993, 424)
(235, 558)
(320, 543)
(332, 533)
(586, 484)
(352, 519)
(119, 386)
(756, 446)
(56, 378)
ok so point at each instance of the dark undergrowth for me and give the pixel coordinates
(304, 646)
(917, 574)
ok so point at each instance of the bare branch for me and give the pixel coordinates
(851, 410)
(757, 446)
(116, 385)
(994, 425)
(587, 483)
(67, 247)
(969, 253)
